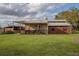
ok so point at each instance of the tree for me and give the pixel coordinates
(71, 16)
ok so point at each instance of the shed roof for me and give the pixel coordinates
(50, 23)
(57, 21)
(32, 21)
(59, 24)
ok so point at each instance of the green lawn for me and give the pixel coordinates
(33, 45)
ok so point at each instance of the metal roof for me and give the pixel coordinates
(50, 23)
(58, 21)
(59, 24)
(32, 21)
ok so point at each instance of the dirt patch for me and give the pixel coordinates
(76, 40)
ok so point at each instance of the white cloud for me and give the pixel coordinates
(28, 16)
(10, 11)
(34, 7)
(40, 10)
(33, 10)
(37, 7)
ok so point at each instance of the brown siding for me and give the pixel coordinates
(59, 29)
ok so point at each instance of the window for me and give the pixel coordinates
(53, 29)
(65, 29)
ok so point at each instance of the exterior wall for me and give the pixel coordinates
(8, 30)
(36, 28)
(44, 29)
(60, 30)
(30, 27)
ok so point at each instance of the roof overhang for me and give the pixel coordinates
(32, 21)
(59, 24)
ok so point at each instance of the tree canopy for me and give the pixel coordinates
(71, 15)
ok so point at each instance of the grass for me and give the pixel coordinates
(39, 45)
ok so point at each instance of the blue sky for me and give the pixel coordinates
(65, 7)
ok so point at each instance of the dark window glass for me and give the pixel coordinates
(65, 29)
(53, 29)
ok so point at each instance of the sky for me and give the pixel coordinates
(31, 10)
(10, 11)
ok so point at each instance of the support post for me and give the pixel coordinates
(47, 28)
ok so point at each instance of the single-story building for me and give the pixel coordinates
(8, 29)
(35, 26)
(41, 27)
(59, 26)
(46, 27)
(13, 29)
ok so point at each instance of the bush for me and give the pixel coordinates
(75, 32)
